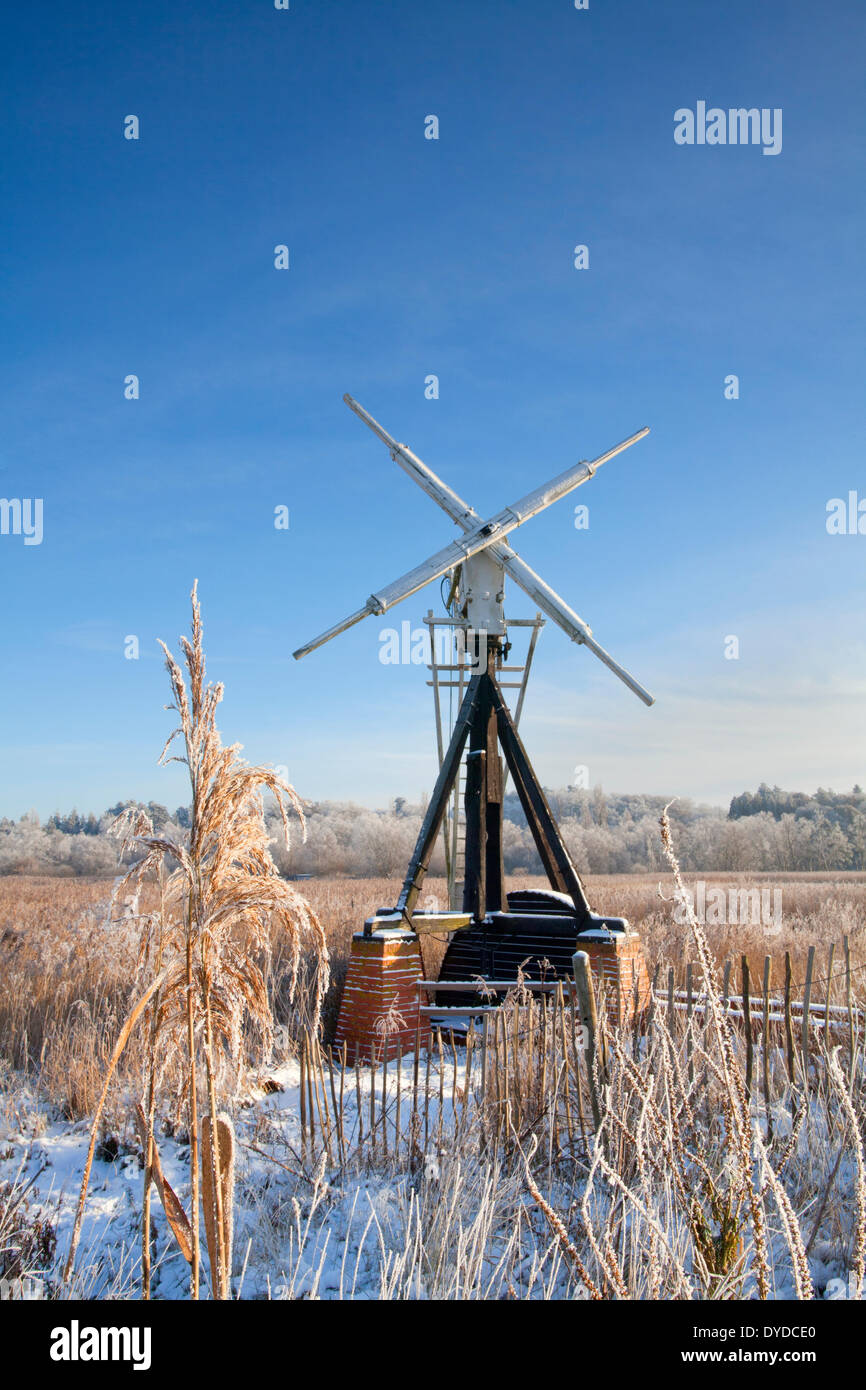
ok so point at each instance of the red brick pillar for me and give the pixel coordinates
(619, 969)
(383, 974)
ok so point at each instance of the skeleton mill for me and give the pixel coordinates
(492, 934)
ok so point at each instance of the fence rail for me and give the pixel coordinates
(734, 1008)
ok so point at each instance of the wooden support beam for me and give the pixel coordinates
(561, 872)
(475, 861)
(438, 802)
(494, 866)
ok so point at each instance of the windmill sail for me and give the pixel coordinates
(490, 535)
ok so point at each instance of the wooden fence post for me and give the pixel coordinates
(417, 1059)
(848, 1002)
(652, 1004)
(399, 1088)
(689, 1012)
(589, 1021)
(441, 1086)
(747, 1024)
(343, 1059)
(831, 955)
(768, 966)
(789, 1026)
(308, 1043)
(385, 1094)
(807, 999)
(485, 1039)
(302, 1060)
(358, 1104)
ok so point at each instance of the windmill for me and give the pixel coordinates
(494, 932)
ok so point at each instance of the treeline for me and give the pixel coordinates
(75, 845)
(769, 830)
(605, 834)
(839, 808)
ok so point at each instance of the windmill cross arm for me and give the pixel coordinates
(541, 593)
(542, 497)
(429, 482)
(523, 575)
(467, 517)
(479, 534)
(556, 608)
(484, 534)
(469, 521)
(334, 631)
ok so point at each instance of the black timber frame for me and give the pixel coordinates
(485, 721)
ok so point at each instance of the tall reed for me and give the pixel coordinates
(204, 954)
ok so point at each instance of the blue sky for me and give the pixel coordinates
(410, 257)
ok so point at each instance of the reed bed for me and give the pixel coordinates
(481, 1173)
(478, 1169)
(67, 957)
(504, 1163)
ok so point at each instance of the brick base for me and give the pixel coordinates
(619, 970)
(384, 970)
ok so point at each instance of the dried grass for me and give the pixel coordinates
(204, 950)
(683, 1190)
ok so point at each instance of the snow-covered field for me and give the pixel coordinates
(449, 1225)
(303, 1228)
(449, 1216)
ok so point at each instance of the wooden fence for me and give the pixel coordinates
(502, 1068)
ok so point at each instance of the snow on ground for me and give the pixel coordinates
(305, 1228)
(302, 1227)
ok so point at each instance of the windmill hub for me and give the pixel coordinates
(481, 594)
